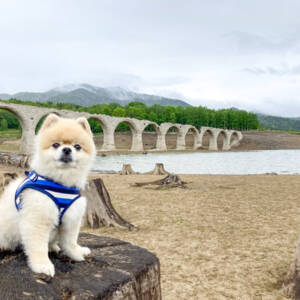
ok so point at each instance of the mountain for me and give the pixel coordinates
(279, 123)
(87, 95)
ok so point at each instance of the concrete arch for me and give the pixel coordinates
(26, 124)
(14, 112)
(193, 129)
(158, 134)
(108, 131)
(29, 116)
(164, 127)
(99, 139)
(234, 138)
(136, 131)
(41, 118)
(155, 125)
(180, 143)
(102, 121)
(171, 137)
(226, 144)
(20, 120)
(213, 146)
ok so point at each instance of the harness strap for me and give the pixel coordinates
(58, 193)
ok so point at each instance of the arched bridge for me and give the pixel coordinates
(29, 116)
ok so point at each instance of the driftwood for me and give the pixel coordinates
(159, 169)
(127, 170)
(14, 159)
(169, 181)
(100, 211)
(114, 270)
(291, 285)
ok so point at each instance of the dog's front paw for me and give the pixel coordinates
(47, 269)
(78, 253)
(85, 251)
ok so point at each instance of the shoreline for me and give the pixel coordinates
(269, 163)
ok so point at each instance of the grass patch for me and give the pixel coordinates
(11, 134)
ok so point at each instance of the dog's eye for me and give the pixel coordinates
(55, 145)
(77, 147)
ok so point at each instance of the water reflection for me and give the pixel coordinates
(252, 162)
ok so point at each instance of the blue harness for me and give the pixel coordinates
(61, 195)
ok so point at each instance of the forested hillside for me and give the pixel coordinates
(279, 123)
(197, 116)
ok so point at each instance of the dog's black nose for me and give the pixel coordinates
(66, 150)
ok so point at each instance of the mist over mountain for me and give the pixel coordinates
(88, 95)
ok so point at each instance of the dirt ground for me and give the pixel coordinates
(268, 140)
(224, 237)
(253, 140)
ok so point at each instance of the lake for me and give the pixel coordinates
(250, 162)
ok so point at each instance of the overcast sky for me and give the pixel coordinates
(217, 53)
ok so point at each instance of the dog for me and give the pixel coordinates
(63, 155)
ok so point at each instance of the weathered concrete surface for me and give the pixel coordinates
(29, 116)
(115, 270)
(231, 138)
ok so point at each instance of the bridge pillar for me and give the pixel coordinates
(28, 138)
(161, 142)
(198, 141)
(108, 139)
(213, 144)
(180, 141)
(137, 140)
(226, 144)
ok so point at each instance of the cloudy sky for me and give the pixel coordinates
(217, 53)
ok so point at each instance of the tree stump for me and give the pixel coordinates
(169, 181)
(14, 159)
(291, 285)
(100, 211)
(127, 170)
(114, 270)
(159, 169)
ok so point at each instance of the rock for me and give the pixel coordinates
(114, 270)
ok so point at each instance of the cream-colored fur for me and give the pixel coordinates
(35, 226)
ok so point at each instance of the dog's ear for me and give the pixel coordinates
(85, 125)
(49, 121)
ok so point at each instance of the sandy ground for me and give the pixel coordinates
(224, 237)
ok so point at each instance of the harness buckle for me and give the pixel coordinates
(34, 177)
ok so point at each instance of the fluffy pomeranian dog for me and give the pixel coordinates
(64, 152)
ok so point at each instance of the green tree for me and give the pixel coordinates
(3, 124)
(119, 112)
